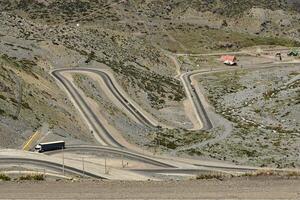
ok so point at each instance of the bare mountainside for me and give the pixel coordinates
(139, 42)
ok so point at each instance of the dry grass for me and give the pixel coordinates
(257, 173)
(268, 172)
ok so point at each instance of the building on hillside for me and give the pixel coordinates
(229, 60)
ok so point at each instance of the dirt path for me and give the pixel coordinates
(253, 188)
(176, 63)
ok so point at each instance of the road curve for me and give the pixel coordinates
(197, 103)
(134, 110)
(200, 112)
(113, 146)
(48, 165)
(102, 134)
(129, 154)
(96, 125)
(163, 166)
(126, 103)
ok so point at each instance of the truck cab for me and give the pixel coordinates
(38, 148)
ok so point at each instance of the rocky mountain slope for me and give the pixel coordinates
(130, 37)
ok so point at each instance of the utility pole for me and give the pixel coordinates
(105, 166)
(63, 161)
(123, 161)
(83, 166)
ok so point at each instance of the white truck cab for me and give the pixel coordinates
(38, 148)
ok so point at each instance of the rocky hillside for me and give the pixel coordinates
(130, 37)
(221, 7)
(29, 99)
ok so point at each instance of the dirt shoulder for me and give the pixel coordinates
(237, 188)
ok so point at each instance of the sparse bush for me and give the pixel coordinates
(2, 97)
(2, 112)
(257, 110)
(156, 86)
(32, 177)
(293, 173)
(268, 172)
(211, 176)
(257, 173)
(174, 138)
(4, 177)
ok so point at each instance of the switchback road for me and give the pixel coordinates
(111, 144)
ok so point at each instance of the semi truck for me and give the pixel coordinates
(50, 146)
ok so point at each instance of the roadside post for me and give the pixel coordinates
(83, 166)
(63, 161)
(105, 170)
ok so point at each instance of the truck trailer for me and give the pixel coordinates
(50, 146)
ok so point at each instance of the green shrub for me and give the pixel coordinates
(32, 177)
(4, 177)
(2, 112)
(210, 176)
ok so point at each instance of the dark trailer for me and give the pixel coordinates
(50, 146)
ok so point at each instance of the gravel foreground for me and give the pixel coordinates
(237, 188)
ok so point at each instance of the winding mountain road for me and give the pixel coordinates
(200, 112)
(111, 144)
(133, 108)
(98, 129)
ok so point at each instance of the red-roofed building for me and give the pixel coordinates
(228, 60)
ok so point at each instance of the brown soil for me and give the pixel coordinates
(237, 188)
